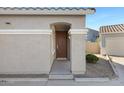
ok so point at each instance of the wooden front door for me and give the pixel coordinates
(61, 44)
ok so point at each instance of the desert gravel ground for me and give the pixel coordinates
(101, 69)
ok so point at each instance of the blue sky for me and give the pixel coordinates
(105, 16)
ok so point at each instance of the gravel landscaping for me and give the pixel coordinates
(99, 70)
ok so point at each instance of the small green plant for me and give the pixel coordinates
(90, 58)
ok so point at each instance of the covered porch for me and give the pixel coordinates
(68, 48)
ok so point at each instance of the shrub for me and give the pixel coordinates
(90, 58)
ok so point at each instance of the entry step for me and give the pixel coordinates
(61, 77)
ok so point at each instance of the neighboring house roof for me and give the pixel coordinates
(46, 10)
(119, 28)
(92, 35)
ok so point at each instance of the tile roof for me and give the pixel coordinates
(112, 28)
(47, 10)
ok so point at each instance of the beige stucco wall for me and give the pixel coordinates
(112, 44)
(25, 53)
(30, 52)
(39, 22)
(33, 52)
(77, 45)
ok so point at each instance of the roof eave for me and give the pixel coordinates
(111, 33)
(46, 12)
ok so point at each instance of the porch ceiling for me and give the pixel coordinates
(62, 27)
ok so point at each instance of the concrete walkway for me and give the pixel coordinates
(118, 62)
(61, 67)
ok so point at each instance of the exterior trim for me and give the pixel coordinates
(112, 33)
(78, 31)
(25, 31)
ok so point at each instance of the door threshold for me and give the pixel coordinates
(61, 58)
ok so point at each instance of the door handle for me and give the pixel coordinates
(57, 46)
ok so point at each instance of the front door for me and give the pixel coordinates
(61, 44)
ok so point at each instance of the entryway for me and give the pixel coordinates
(61, 40)
(61, 68)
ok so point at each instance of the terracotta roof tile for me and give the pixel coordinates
(112, 28)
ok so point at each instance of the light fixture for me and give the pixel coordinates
(8, 23)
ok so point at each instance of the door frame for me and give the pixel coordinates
(66, 27)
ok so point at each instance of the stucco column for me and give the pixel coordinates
(77, 45)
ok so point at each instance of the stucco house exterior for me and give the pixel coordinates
(31, 39)
(112, 39)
